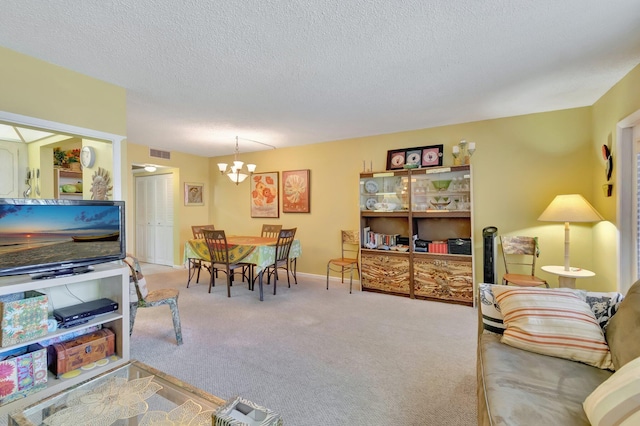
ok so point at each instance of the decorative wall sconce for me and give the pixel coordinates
(462, 152)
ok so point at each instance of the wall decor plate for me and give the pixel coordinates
(371, 186)
(371, 203)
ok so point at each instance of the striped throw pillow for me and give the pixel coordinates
(555, 322)
(617, 400)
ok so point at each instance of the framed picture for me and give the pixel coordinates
(410, 158)
(395, 159)
(296, 191)
(432, 156)
(193, 194)
(264, 195)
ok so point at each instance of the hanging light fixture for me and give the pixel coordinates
(235, 174)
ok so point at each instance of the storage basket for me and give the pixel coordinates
(23, 371)
(24, 317)
(459, 245)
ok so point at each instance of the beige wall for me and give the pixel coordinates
(185, 168)
(35, 88)
(521, 163)
(621, 101)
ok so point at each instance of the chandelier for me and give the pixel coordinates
(235, 173)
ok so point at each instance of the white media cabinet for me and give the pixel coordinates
(110, 280)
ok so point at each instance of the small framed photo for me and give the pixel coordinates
(193, 194)
(296, 191)
(396, 159)
(417, 157)
(432, 156)
(264, 195)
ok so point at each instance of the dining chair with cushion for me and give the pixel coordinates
(142, 298)
(520, 254)
(195, 265)
(270, 231)
(219, 251)
(349, 258)
(283, 247)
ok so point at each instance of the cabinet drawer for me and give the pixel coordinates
(443, 277)
(386, 272)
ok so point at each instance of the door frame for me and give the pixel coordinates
(55, 127)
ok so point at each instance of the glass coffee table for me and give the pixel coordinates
(129, 395)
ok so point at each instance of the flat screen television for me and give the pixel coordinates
(48, 238)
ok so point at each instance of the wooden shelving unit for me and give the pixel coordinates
(407, 203)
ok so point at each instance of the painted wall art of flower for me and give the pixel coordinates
(264, 195)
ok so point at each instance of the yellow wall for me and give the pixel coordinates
(520, 164)
(185, 168)
(620, 101)
(42, 90)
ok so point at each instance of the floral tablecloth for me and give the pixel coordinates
(257, 250)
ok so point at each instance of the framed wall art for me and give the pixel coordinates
(264, 195)
(193, 194)
(296, 191)
(418, 157)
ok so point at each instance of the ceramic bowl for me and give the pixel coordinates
(441, 185)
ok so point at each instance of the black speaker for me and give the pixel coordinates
(490, 250)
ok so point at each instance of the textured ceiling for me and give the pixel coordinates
(199, 72)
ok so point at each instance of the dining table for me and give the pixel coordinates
(259, 251)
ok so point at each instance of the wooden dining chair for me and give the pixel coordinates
(196, 265)
(283, 247)
(348, 259)
(219, 251)
(270, 231)
(150, 299)
(520, 254)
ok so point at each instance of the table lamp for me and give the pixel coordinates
(569, 208)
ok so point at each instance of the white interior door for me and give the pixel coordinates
(154, 219)
(13, 159)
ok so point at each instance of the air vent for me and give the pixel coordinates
(159, 154)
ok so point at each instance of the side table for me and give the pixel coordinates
(568, 278)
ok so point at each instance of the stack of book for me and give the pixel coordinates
(372, 239)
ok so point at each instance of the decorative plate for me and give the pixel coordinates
(371, 186)
(371, 203)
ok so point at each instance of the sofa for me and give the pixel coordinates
(521, 387)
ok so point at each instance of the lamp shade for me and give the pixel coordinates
(570, 208)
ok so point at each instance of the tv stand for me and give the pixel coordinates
(61, 273)
(106, 280)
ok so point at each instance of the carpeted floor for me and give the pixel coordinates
(317, 357)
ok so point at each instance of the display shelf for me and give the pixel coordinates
(109, 280)
(63, 177)
(435, 205)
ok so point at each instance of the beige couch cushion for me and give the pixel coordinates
(554, 322)
(623, 330)
(617, 400)
(522, 388)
